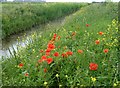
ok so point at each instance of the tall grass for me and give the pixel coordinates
(17, 17)
(78, 36)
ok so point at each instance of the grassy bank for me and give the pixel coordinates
(81, 53)
(17, 17)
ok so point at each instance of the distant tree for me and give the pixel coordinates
(108, 0)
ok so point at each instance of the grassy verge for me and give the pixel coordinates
(81, 53)
(17, 17)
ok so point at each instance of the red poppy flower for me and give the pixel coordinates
(26, 74)
(105, 50)
(80, 51)
(21, 65)
(64, 55)
(69, 53)
(48, 50)
(49, 60)
(41, 51)
(44, 57)
(97, 42)
(56, 54)
(45, 70)
(55, 35)
(47, 53)
(51, 46)
(87, 25)
(93, 66)
(100, 33)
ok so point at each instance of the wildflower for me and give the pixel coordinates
(55, 35)
(56, 54)
(114, 84)
(103, 39)
(64, 55)
(57, 75)
(51, 46)
(47, 53)
(33, 50)
(45, 70)
(49, 60)
(45, 83)
(44, 57)
(93, 79)
(69, 53)
(93, 66)
(66, 76)
(20, 65)
(41, 50)
(105, 50)
(97, 42)
(80, 51)
(26, 74)
(48, 50)
(60, 85)
(100, 33)
(87, 25)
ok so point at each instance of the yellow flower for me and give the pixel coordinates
(103, 39)
(33, 50)
(114, 84)
(93, 79)
(66, 76)
(57, 75)
(45, 83)
(60, 85)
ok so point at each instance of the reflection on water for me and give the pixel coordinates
(11, 43)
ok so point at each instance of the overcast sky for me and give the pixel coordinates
(75, 0)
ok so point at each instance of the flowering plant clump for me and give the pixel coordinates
(93, 66)
(76, 55)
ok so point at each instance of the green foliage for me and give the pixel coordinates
(17, 17)
(73, 70)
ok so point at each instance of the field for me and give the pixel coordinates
(81, 53)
